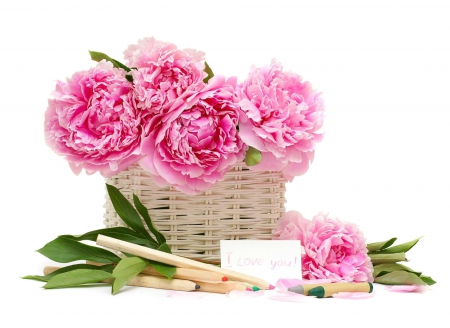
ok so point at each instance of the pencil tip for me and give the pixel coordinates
(225, 279)
(197, 286)
(271, 287)
(248, 289)
(255, 289)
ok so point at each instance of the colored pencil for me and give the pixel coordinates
(177, 261)
(220, 287)
(327, 290)
(250, 286)
(184, 273)
(149, 281)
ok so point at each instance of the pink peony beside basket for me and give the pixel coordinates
(245, 205)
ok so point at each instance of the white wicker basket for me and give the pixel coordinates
(245, 205)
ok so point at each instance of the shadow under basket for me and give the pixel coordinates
(245, 205)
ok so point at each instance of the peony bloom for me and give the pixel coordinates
(92, 120)
(283, 116)
(291, 225)
(196, 142)
(163, 72)
(334, 249)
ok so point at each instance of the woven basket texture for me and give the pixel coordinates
(245, 205)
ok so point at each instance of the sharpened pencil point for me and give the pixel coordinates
(271, 287)
(248, 289)
(224, 279)
(197, 286)
(255, 289)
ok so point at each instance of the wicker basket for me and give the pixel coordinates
(245, 205)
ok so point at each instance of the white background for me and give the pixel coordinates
(383, 68)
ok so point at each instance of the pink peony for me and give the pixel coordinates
(283, 116)
(193, 145)
(291, 226)
(334, 250)
(163, 72)
(92, 121)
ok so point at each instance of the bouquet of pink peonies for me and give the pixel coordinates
(165, 110)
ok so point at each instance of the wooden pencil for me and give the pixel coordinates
(143, 280)
(177, 261)
(250, 286)
(220, 287)
(326, 290)
(184, 273)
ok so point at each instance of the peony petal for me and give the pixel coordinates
(122, 165)
(291, 225)
(353, 296)
(167, 172)
(296, 169)
(407, 288)
(286, 296)
(250, 110)
(294, 155)
(75, 168)
(268, 163)
(248, 135)
(284, 284)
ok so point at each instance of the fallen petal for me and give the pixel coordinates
(287, 296)
(407, 288)
(353, 296)
(284, 284)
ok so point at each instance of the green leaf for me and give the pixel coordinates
(389, 267)
(143, 211)
(127, 212)
(380, 245)
(37, 278)
(77, 277)
(120, 233)
(164, 269)
(402, 248)
(164, 248)
(382, 273)
(66, 250)
(126, 270)
(99, 56)
(209, 71)
(399, 278)
(387, 258)
(107, 268)
(253, 156)
(428, 280)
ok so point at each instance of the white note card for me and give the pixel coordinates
(266, 259)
